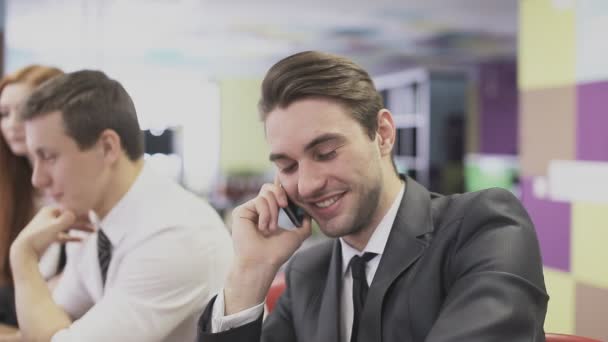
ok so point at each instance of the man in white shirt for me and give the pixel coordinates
(154, 252)
(406, 264)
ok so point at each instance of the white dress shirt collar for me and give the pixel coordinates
(121, 218)
(379, 237)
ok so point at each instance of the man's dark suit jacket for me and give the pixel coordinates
(455, 268)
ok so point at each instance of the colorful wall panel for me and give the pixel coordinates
(591, 46)
(592, 119)
(591, 309)
(546, 44)
(552, 220)
(547, 128)
(243, 146)
(562, 289)
(563, 141)
(589, 239)
(498, 106)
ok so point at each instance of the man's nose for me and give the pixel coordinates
(311, 180)
(40, 179)
(12, 120)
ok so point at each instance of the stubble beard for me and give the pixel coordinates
(360, 216)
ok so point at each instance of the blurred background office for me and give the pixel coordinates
(485, 93)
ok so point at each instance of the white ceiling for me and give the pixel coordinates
(241, 37)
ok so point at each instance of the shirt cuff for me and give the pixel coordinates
(220, 323)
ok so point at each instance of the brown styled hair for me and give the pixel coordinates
(316, 74)
(16, 191)
(90, 102)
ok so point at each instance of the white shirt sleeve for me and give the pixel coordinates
(70, 293)
(220, 323)
(158, 289)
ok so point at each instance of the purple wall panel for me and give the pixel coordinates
(552, 222)
(592, 122)
(498, 107)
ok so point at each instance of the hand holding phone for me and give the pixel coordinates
(260, 247)
(291, 216)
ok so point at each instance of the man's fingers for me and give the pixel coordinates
(281, 197)
(65, 219)
(247, 212)
(278, 191)
(54, 210)
(261, 207)
(82, 226)
(273, 208)
(65, 237)
(306, 230)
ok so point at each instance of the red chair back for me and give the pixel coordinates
(276, 289)
(568, 338)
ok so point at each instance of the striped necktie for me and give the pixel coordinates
(104, 254)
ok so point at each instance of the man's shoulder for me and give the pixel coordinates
(173, 216)
(460, 206)
(168, 204)
(494, 212)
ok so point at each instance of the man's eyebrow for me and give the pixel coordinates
(277, 156)
(323, 139)
(314, 142)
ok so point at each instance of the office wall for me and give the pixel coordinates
(563, 142)
(498, 106)
(243, 146)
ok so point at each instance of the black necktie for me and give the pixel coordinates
(104, 254)
(360, 287)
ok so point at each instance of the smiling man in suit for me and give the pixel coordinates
(404, 265)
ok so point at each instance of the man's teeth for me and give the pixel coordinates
(327, 202)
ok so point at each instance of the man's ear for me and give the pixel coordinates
(386, 132)
(111, 145)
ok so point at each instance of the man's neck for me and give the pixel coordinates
(125, 174)
(390, 188)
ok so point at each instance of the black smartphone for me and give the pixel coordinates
(294, 213)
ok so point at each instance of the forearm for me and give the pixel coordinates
(247, 287)
(9, 334)
(13, 337)
(39, 316)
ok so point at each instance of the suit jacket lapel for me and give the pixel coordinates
(329, 313)
(402, 249)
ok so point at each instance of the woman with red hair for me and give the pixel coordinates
(18, 199)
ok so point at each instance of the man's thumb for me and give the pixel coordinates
(65, 219)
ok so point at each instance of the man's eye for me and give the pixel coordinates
(326, 156)
(47, 157)
(289, 169)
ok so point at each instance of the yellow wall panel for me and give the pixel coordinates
(589, 243)
(243, 146)
(560, 314)
(546, 44)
